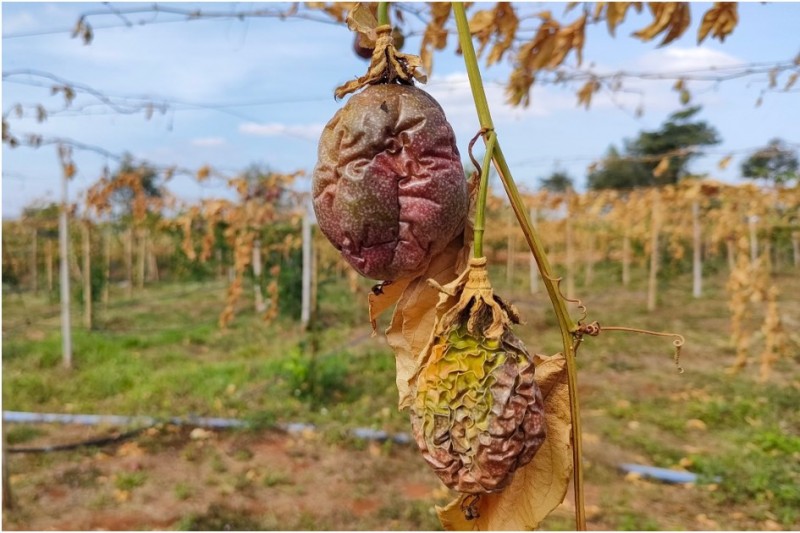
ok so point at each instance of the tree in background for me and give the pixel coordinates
(619, 172)
(776, 163)
(656, 157)
(558, 181)
(137, 182)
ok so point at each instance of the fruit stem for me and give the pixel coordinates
(483, 190)
(383, 13)
(565, 323)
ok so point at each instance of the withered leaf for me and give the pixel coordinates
(362, 21)
(661, 167)
(415, 314)
(435, 36)
(672, 17)
(507, 24)
(679, 22)
(724, 162)
(791, 81)
(720, 21)
(540, 486)
(615, 14)
(387, 296)
(585, 93)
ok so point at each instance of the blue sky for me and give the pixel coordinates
(262, 89)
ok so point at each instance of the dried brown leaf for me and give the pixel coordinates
(791, 81)
(724, 162)
(666, 15)
(540, 486)
(506, 25)
(415, 314)
(678, 24)
(720, 21)
(773, 78)
(585, 93)
(615, 15)
(661, 167)
(481, 26)
(435, 36)
(362, 20)
(383, 299)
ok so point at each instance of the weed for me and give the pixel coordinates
(23, 433)
(242, 454)
(219, 517)
(629, 521)
(130, 480)
(276, 479)
(218, 464)
(183, 491)
(80, 477)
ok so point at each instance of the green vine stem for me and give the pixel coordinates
(565, 323)
(383, 13)
(483, 190)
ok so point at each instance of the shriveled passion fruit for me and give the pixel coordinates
(389, 188)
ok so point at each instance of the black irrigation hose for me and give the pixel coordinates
(100, 441)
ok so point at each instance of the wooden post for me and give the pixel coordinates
(63, 245)
(141, 235)
(106, 266)
(697, 260)
(305, 307)
(220, 265)
(652, 282)
(315, 253)
(511, 244)
(48, 259)
(626, 254)
(87, 274)
(129, 262)
(570, 252)
(152, 262)
(259, 296)
(8, 500)
(589, 274)
(534, 268)
(796, 248)
(730, 246)
(35, 261)
(752, 224)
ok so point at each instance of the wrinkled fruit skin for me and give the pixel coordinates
(478, 414)
(389, 189)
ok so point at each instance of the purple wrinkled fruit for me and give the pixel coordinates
(389, 188)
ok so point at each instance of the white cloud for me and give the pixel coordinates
(309, 132)
(453, 93)
(208, 142)
(685, 59)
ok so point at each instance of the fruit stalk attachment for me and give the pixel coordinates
(387, 64)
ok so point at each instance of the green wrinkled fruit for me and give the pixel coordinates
(477, 414)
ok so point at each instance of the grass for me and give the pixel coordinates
(162, 354)
(130, 480)
(253, 370)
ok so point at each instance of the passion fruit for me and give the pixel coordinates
(389, 189)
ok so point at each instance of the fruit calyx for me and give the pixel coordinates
(387, 64)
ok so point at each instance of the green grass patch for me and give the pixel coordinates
(19, 434)
(130, 480)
